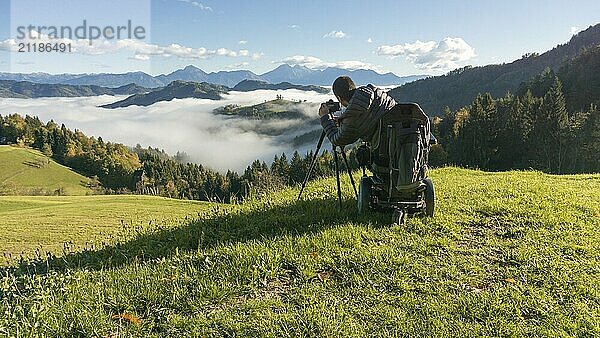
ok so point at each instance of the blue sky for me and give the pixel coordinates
(404, 37)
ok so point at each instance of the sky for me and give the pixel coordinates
(403, 37)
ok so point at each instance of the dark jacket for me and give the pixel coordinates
(361, 119)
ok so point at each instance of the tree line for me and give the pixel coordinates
(530, 130)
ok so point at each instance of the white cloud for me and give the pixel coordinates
(354, 65)
(307, 61)
(238, 65)
(335, 35)
(142, 50)
(369, 40)
(256, 56)
(9, 45)
(294, 27)
(316, 63)
(197, 4)
(574, 30)
(226, 52)
(243, 42)
(443, 55)
(140, 57)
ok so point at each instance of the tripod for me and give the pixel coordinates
(337, 169)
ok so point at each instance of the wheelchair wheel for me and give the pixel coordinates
(364, 195)
(399, 216)
(429, 197)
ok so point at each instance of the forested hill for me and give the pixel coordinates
(25, 89)
(580, 78)
(175, 90)
(458, 88)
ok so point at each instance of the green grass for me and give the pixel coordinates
(25, 171)
(508, 254)
(31, 226)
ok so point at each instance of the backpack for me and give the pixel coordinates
(401, 147)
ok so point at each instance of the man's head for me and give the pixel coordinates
(343, 89)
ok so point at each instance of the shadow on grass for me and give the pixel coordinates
(257, 222)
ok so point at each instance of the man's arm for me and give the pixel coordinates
(348, 130)
(344, 134)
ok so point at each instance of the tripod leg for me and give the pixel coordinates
(312, 164)
(349, 171)
(337, 176)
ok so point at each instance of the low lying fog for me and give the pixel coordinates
(188, 125)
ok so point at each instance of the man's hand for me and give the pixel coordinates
(323, 110)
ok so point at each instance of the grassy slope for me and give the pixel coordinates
(508, 254)
(26, 172)
(29, 223)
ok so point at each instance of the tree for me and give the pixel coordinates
(47, 150)
(551, 128)
(297, 171)
(280, 166)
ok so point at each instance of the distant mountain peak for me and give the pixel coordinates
(191, 67)
(297, 67)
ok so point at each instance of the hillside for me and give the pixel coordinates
(24, 89)
(278, 117)
(28, 172)
(580, 78)
(274, 109)
(508, 254)
(459, 87)
(175, 90)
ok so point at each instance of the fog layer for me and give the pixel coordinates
(188, 125)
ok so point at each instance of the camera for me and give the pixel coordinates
(332, 106)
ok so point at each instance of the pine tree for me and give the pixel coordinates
(553, 127)
(296, 169)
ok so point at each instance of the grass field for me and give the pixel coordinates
(34, 225)
(26, 171)
(507, 254)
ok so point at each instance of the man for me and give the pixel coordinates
(365, 106)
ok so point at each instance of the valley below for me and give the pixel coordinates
(219, 141)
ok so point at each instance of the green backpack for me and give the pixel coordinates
(401, 148)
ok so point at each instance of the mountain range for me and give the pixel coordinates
(25, 89)
(459, 87)
(293, 74)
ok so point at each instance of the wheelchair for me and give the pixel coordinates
(397, 157)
